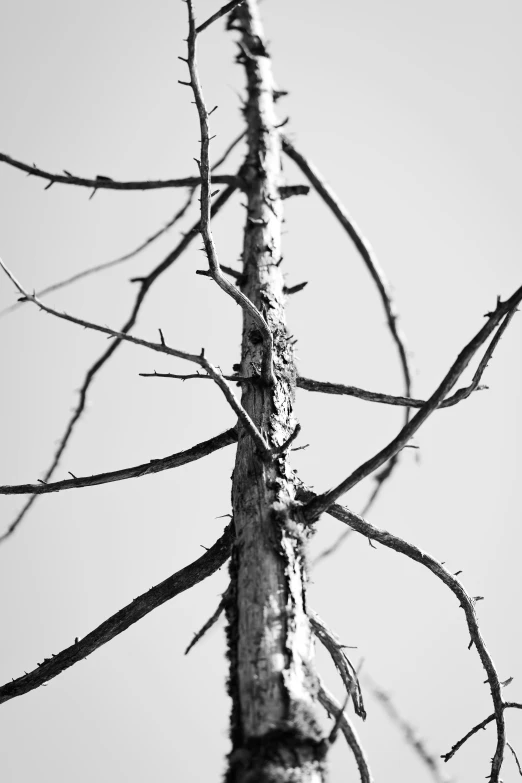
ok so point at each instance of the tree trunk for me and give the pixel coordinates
(274, 732)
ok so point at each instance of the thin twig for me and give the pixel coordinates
(351, 391)
(211, 621)
(410, 734)
(482, 725)
(93, 270)
(493, 319)
(334, 708)
(237, 378)
(222, 12)
(236, 406)
(466, 602)
(208, 240)
(106, 183)
(233, 144)
(133, 253)
(370, 260)
(341, 661)
(227, 269)
(182, 580)
(145, 284)
(325, 387)
(458, 396)
(515, 757)
(146, 469)
(388, 399)
(364, 248)
(160, 347)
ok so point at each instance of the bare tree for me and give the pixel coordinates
(276, 731)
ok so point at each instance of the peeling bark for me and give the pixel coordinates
(275, 735)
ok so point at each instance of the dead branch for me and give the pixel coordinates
(222, 12)
(388, 399)
(236, 378)
(133, 253)
(182, 580)
(458, 396)
(482, 725)
(338, 388)
(410, 734)
(146, 469)
(227, 269)
(208, 240)
(145, 284)
(341, 661)
(326, 387)
(467, 603)
(160, 347)
(370, 260)
(93, 270)
(364, 248)
(238, 408)
(517, 762)
(334, 708)
(502, 310)
(211, 621)
(106, 183)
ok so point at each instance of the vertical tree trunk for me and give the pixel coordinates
(275, 736)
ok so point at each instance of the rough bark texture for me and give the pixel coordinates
(275, 736)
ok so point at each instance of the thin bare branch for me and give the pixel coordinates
(482, 725)
(325, 387)
(233, 144)
(236, 406)
(364, 248)
(160, 347)
(133, 253)
(517, 762)
(146, 469)
(93, 270)
(190, 376)
(409, 733)
(458, 396)
(145, 285)
(106, 183)
(334, 708)
(341, 661)
(338, 388)
(370, 260)
(182, 580)
(388, 399)
(227, 269)
(222, 12)
(211, 621)
(467, 603)
(502, 310)
(208, 240)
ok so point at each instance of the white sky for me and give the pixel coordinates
(412, 112)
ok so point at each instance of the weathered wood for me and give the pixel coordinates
(275, 736)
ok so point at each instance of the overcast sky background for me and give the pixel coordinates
(412, 112)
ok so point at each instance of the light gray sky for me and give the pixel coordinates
(412, 112)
